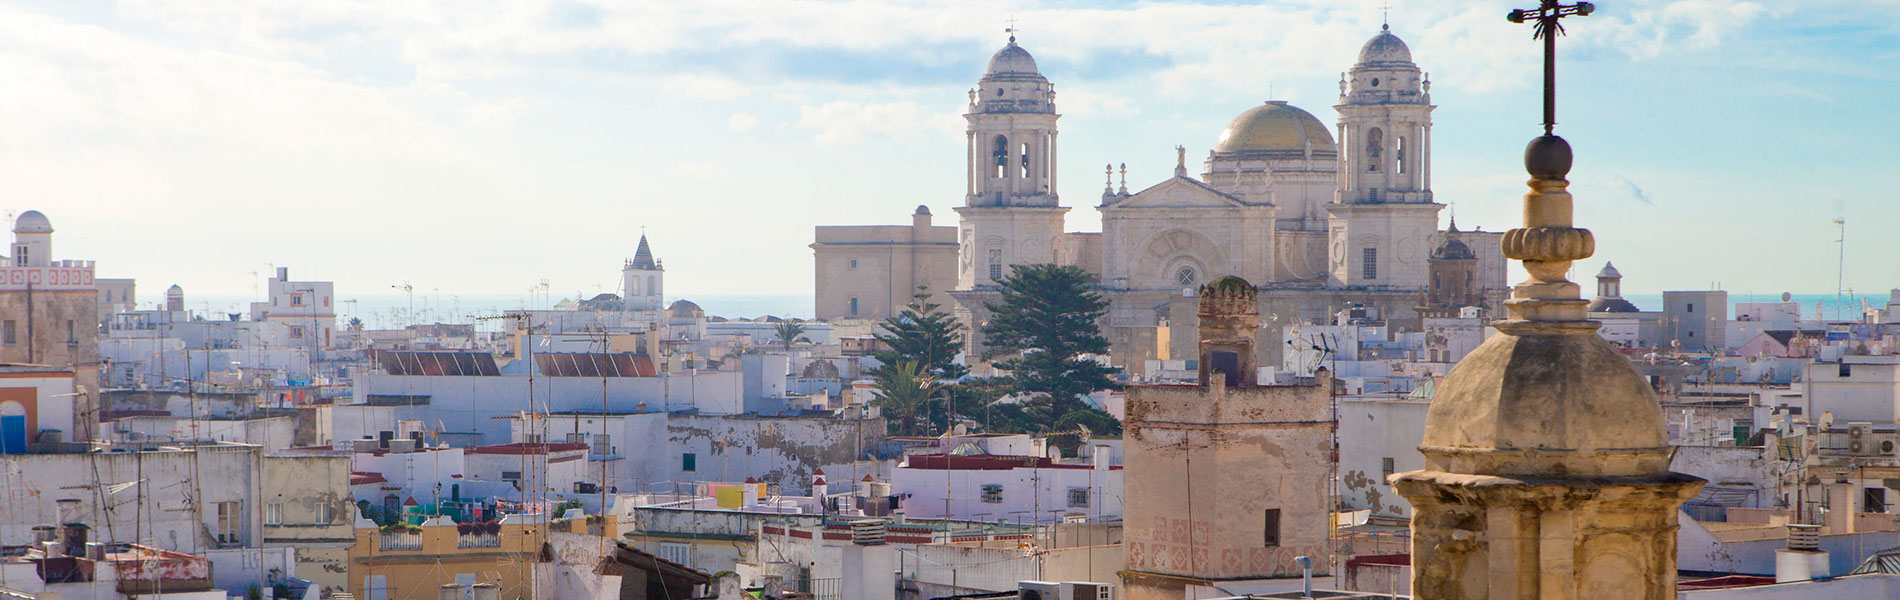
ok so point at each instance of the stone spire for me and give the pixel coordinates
(1546, 463)
(643, 257)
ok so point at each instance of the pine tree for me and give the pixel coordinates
(1044, 323)
(923, 333)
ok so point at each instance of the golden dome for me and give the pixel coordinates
(1274, 126)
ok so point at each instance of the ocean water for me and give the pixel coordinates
(1651, 302)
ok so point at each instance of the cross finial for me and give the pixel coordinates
(1011, 29)
(1385, 17)
(1547, 28)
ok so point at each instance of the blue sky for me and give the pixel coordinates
(480, 148)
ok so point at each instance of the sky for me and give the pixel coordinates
(483, 147)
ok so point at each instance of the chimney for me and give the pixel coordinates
(1230, 321)
(1840, 507)
(1100, 457)
(68, 511)
(452, 591)
(818, 490)
(1803, 559)
(44, 533)
(283, 273)
(870, 566)
(486, 591)
(751, 492)
(73, 539)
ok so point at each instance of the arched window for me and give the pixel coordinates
(1001, 154)
(652, 290)
(1375, 144)
(634, 286)
(1398, 155)
(1025, 164)
(1185, 276)
(1434, 282)
(996, 264)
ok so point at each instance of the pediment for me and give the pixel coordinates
(1178, 192)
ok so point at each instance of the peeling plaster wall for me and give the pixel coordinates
(176, 515)
(458, 403)
(300, 484)
(1730, 466)
(1372, 429)
(781, 451)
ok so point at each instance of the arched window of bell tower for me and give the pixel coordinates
(1001, 153)
(1025, 161)
(1398, 155)
(1375, 144)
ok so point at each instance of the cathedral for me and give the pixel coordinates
(1323, 220)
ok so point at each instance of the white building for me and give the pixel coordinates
(1017, 489)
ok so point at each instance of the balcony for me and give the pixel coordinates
(401, 539)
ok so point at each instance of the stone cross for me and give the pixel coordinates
(1547, 29)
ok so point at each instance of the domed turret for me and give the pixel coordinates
(1274, 127)
(175, 298)
(32, 221)
(1454, 249)
(1013, 59)
(684, 309)
(1384, 48)
(1610, 292)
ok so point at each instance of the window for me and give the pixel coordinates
(296, 332)
(603, 444)
(1874, 500)
(1375, 82)
(323, 513)
(1185, 276)
(689, 462)
(274, 513)
(1375, 144)
(377, 587)
(854, 264)
(1691, 307)
(1272, 530)
(8, 335)
(679, 552)
(511, 475)
(1000, 154)
(577, 438)
(72, 332)
(996, 264)
(1078, 497)
(992, 493)
(1025, 161)
(296, 299)
(19, 256)
(1398, 156)
(1386, 466)
(854, 305)
(1845, 370)
(230, 521)
(1369, 263)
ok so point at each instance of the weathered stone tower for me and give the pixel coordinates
(1546, 464)
(1223, 477)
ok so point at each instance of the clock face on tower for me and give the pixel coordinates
(1339, 252)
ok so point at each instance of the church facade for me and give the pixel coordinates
(1322, 218)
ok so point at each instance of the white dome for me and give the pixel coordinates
(1385, 48)
(32, 222)
(1012, 59)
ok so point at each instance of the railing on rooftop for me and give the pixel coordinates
(401, 540)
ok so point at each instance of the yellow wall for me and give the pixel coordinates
(419, 573)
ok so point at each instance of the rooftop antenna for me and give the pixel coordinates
(1840, 270)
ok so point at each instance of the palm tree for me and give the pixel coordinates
(903, 392)
(788, 332)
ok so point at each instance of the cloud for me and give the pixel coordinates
(1078, 102)
(701, 86)
(839, 122)
(1635, 192)
(741, 123)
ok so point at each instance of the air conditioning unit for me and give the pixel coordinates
(1038, 590)
(1082, 590)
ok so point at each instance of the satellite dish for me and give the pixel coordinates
(1786, 296)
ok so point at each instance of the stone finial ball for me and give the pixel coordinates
(1547, 157)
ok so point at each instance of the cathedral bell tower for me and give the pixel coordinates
(1382, 215)
(1009, 214)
